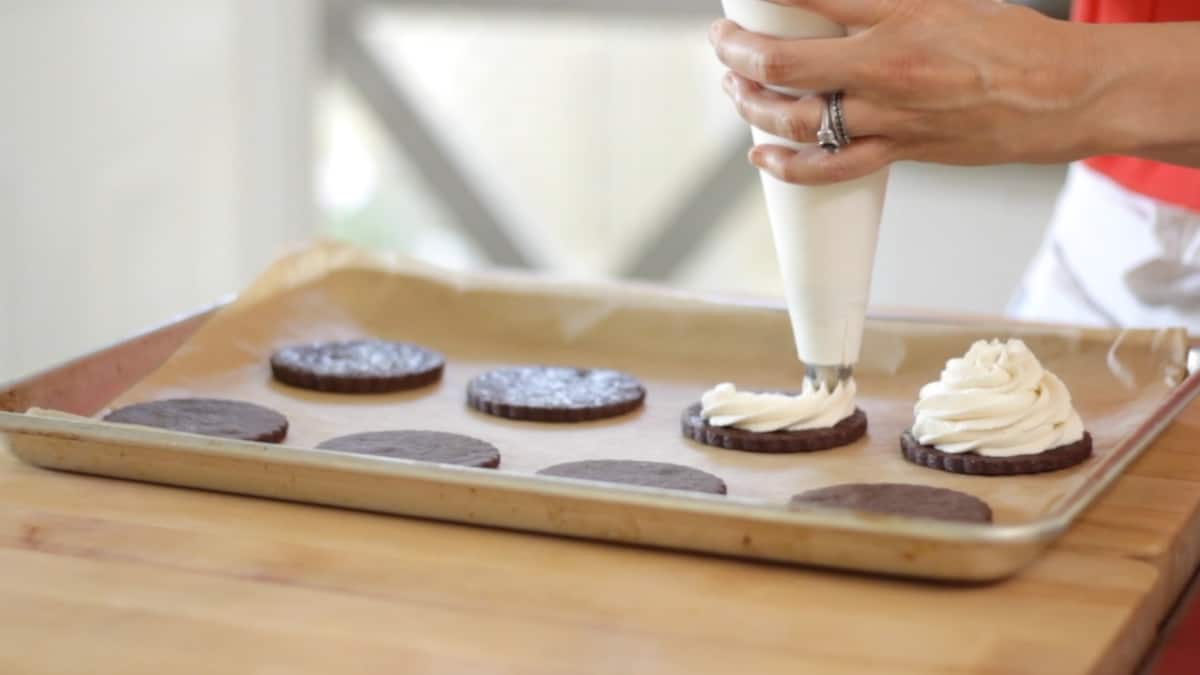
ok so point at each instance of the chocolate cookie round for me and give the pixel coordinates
(978, 465)
(423, 446)
(357, 366)
(555, 394)
(845, 432)
(207, 416)
(918, 501)
(645, 474)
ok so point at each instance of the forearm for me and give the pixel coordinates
(1146, 102)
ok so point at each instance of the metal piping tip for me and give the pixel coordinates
(829, 376)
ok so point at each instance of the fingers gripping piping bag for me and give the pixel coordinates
(825, 236)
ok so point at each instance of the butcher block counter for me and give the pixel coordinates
(106, 576)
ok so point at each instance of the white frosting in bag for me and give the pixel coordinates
(813, 408)
(996, 401)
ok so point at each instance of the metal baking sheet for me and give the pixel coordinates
(1128, 386)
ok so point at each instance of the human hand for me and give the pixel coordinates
(949, 81)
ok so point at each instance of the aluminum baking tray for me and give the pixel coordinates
(670, 340)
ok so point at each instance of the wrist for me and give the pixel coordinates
(1091, 85)
(1142, 77)
(1061, 84)
(1108, 116)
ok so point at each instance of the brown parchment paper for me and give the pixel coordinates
(679, 345)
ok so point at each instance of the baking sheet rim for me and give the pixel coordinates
(1034, 531)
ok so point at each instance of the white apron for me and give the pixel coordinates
(1113, 257)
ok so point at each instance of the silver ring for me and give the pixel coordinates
(827, 136)
(839, 119)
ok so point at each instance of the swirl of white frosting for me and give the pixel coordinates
(996, 401)
(813, 408)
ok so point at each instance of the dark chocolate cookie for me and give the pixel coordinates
(845, 432)
(207, 416)
(554, 394)
(645, 474)
(357, 366)
(918, 501)
(423, 446)
(970, 463)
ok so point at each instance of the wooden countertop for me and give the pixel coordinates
(107, 576)
(100, 575)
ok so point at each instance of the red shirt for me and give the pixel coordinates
(1169, 183)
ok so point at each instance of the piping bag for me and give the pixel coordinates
(825, 236)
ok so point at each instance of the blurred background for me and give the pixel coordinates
(154, 156)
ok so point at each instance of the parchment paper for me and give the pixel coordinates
(679, 345)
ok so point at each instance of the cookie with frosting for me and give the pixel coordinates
(996, 411)
(813, 419)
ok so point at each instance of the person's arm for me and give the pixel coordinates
(1149, 102)
(968, 82)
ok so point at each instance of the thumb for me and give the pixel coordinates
(845, 12)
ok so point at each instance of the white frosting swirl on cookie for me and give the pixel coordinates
(996, 401)
(813, 408)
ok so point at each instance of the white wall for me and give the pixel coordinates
(592, 128)
(153, 156)
(953, 239)
(959, 239)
